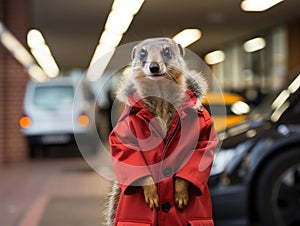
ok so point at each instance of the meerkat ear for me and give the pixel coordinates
(181, 50)
(133, 53)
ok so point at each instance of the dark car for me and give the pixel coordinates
(256, 174)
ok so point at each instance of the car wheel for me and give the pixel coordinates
(278, 190)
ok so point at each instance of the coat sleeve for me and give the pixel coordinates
(197, 169)
(127, 159)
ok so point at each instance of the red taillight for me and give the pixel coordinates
(25, 122)
(83, 120)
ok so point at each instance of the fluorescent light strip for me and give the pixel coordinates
(37, 73)
(258, 5)
(130, 6)
(187, 37)
(215, 57)
(10, 42)
(42, 53)
(110, 39)
(96, 70)
(16, 48)
(117, 23)
(35, 38)
(254, 44)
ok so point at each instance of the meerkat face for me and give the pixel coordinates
(157, 57)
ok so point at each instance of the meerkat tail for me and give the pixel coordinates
(111, 205)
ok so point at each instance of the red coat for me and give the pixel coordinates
(139, 149)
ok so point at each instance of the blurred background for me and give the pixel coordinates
(252, 48)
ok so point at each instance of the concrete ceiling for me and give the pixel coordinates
(72, 28)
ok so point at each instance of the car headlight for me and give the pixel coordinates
(221, 159)
(229, 158)
(240, 108)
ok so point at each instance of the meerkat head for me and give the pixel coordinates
(158, 58)
(158, 69)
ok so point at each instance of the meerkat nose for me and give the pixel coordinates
(154, 67)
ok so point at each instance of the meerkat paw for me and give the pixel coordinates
(181, 193)
(151, 196)
(150, 192)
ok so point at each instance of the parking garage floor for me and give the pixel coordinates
(52, 191)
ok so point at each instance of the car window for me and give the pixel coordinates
(295, 101)
(296, 109)
(219, 109)
(292, 113)
(53, 97)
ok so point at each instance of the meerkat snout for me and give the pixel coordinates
(154, 67)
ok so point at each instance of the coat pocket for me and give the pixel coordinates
(128, 223)
(204, 222)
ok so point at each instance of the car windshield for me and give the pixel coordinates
(264, 110)
(270, 109)
(275, 105)
(218, 109)
(53, 97)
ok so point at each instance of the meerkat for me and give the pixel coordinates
(159, 74)
(153, 63)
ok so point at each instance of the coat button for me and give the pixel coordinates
(168, 172)
(166, 206)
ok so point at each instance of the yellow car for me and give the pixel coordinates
(226, 109)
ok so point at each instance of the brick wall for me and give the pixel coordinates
(15, 15)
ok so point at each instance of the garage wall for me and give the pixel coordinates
(294, 47)
(15, 15)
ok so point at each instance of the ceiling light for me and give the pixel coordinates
(187, 36)
(258, 5)
(254, 44)
(101, 50)
(16, 48)
(215, 57)
(37, 73)
(129, 6)
(99, 63)
(117, 23)
(110, 39)
(11, 43)
(35, 38)
(42, 53)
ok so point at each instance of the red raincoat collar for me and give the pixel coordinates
(188, 101)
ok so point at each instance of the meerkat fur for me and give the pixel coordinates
(158, 73)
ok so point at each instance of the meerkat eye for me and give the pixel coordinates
(143, 54)
(167, 53)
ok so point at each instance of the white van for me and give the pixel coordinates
(57, 112)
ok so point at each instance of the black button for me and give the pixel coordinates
(168, 172)
(166, 206)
